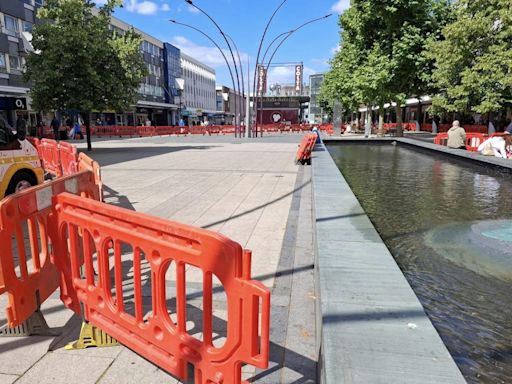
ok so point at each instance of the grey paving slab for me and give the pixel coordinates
(18, 354)
(244, 189)
(130, 368)
(8, 379)
(65, 369)
(372, 327)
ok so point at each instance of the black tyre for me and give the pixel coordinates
(20, 181)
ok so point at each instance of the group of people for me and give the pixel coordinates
(497, 146)
(71, 129)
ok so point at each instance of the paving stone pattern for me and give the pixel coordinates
(250, 191)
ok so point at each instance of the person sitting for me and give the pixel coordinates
(456, 136)
(496, 146)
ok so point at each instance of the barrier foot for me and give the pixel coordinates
(34, 325)
(91, 336)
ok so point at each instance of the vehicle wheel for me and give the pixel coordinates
(20, 181)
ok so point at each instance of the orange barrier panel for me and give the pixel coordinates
(441, 139)
(48, 151)
(68, 158)
(158, 337)
(305, 148)
(85, 163)
(473, 141)
(27, 272)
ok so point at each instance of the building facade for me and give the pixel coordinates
(176, 83)
(17, 19)
(199, 103)
(226, 99)
(315, 113)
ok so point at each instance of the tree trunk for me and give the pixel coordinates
(87, 120)
(382, 113)
(399, 126)
(368, 125)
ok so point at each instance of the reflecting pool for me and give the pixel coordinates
(448, 224)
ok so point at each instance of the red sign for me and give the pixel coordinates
(298, 78)
(262, 80)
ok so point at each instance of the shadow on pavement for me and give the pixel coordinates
(111, 156)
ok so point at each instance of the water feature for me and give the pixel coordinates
(448, 224)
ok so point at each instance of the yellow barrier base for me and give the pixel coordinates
(91, 336)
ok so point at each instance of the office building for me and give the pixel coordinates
(315, 113)
(199, 96)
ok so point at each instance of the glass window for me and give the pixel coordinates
(39, 3)
(27, 26)
(11, 25)
(15, 62)
(2, 60)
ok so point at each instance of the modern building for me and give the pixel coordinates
(226, 98)
(176, 83)
(17, 19)
(199, 98)
(315, 112)
(173, 80)
(154, 103)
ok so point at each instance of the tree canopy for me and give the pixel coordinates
(381, 56)
(473, 58)
(78, 63)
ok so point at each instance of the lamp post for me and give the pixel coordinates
(217, 46)
(286, 37)
(256, 65)
(230, 50)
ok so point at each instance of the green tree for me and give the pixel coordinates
(473, 58)
(79, 64)
(381, 57)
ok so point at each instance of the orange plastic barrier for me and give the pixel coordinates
(473, 140)
(441, 139)
(68, 158)
(48, 151)
(85, 163)
(157, 337)
(305, 149)
(27, 271)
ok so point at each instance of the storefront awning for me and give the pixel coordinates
(154, 104)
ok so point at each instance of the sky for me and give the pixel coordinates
(243, 20)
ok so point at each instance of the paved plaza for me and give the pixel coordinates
(249, 190)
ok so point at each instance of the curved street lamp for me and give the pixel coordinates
(288, 34)
(230, 50)
(241, 75)
(217, 46)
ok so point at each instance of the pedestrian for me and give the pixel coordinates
(21, 127)
(55, 124)
(40, 129)
(148, 122)
(497, 146)
(456, 136)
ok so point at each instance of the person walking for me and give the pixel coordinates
(456, 136)
(55, 124)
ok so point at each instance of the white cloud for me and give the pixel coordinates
(340, 6)
(100, 2)
(165, 7)
(142, 8)
(192, 9)
(207, 55)
(286, 75)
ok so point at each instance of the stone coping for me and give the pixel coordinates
(371, 326)
(503, 164)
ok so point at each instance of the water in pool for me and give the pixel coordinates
(448, 224)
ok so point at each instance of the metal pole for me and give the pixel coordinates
(258, 59)
(241, 75)
(232, 56)
(248, 105)
(216, 45)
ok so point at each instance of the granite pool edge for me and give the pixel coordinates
(371, 326)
